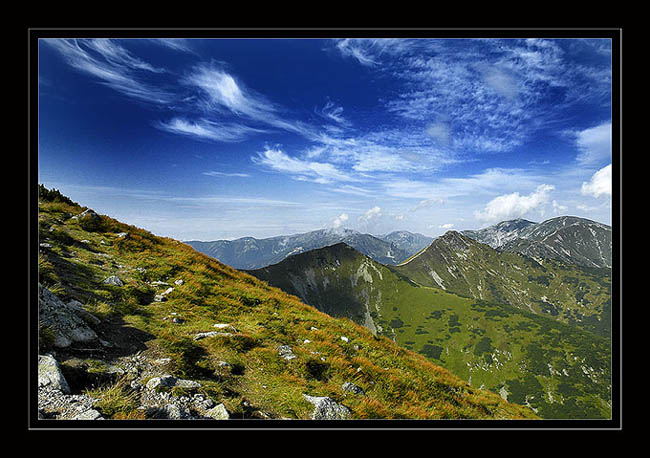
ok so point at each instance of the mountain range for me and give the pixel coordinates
(567, 238)
(252, 253)
(535, 331)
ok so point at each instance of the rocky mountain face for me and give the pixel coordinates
(566, 238)
(499, 234)
(252, 253)
(535, 355)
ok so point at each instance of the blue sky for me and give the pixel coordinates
(223, 138)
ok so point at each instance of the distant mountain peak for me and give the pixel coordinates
(567, 238)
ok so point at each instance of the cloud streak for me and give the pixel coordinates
(112, 65)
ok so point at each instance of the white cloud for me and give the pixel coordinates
(502, 82)
(446, 226)
(357, 50)
(440, 131)
(510, 206)
(333, 112)
(371, 214)
(209, 130)
(426, 203)
(225, 174)
(600, 183)
(339, 220)
(319, 172)
(595, 145)
(559, 209)
(224, 91)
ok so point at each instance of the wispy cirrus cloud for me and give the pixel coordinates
(177, 44)
(208, 130)
(111, 64)
(212, 173)
(494, 94)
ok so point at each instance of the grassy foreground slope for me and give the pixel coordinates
(76, 256)
(559, 370)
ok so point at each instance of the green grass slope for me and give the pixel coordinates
(567, 293)
(561, 371)
(76, 256)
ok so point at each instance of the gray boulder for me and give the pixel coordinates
(326, 408)
(62, 320)
(218, 412)
(50, 375)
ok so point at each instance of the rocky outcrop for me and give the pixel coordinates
(62, 320)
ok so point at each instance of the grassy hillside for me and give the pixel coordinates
(561, 371)
(76, 255)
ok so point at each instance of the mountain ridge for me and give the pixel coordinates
(252, 253)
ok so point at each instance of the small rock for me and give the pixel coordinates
(189, 384)
(90, 414)
(345, 339)
(203, 335)
(45, 245)
(167, 291)
(178, 282)
(326, 408)
(286, 352)
(159, 298)
(123, 235)
(351, 387)
(218, 412)
(166, 381)
(162, 361)
(114, 280)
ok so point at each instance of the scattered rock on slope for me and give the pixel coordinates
(64, 321)
(326, 408)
